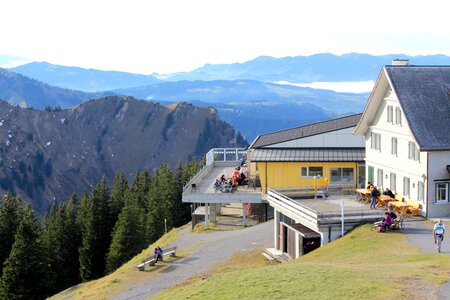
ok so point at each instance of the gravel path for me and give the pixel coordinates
(420, 235)
(215, 247)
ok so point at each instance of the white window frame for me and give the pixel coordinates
(398, 116)
(393, 182)
(406, 187)
(421, 191)
(380, 178)
(308, 175)
(413, 151)
(390, 114)
(394, 146)
(375, 141)
(446, 185)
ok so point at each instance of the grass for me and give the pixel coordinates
(124, 277)
(362, 264)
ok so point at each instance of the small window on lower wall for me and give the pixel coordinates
(312, 172)
(442, 192)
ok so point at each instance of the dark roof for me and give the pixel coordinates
(308, 154)
(424, 95)
(305, 131)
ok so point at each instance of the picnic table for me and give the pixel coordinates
(400, 207)
(365, 195)
(383, 200)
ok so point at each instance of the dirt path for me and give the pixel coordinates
(210, 249)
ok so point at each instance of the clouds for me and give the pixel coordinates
(167, 36)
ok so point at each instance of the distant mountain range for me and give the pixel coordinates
(297, 69)
(47, 155)
(88, 80)
(20, 90)
(305, 69)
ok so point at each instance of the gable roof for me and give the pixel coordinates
(423, 93)
(304, 131)
(424, 96)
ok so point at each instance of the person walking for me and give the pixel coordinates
(438, 234)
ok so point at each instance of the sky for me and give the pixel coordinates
(145, 36)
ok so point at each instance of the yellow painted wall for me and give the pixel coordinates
(288, 174)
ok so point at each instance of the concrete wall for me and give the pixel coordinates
(437, 162)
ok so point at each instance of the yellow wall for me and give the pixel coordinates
(288, 174)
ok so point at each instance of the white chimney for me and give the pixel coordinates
(400, 62)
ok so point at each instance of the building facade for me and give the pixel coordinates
(406, 126)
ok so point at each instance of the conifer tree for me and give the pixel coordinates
(116, 201)
(95, 234)
(10, 214)
(71, 241)
(160, 199)
(26, 273)
(127, 235)
(63, 238)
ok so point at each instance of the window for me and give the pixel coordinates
(370, 174)
(406, 186)
(442, 192)
(390, 114)
(312, 171)
(394, 146)
(413, 151)
(420, 191)
(398, 116)
(342, 175)
(380, 178)
(393, 183)
(375, 141)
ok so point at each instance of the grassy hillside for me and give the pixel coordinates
(363, 264)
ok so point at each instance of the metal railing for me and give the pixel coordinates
(225, 154)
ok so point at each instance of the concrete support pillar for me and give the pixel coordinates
(297, 245)
(276, 230)
(244, 214)
(213, 212)
(206, 215)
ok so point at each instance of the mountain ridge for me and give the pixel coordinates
(48, 155)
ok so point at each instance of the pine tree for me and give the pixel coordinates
(10, 214)
(63, 237)
(160, 199)
(95, 234)
(71, 241)
(26, 273)
(116, 201)
(127, 236)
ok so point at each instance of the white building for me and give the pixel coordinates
(406, 124)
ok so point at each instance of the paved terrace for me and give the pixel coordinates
(200, 189)
(323, 212)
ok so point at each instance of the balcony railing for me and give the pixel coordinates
(225, 154)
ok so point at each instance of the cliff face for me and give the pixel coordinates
(48, 155)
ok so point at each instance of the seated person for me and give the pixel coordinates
(158, 254)
(223, 179)
(389, 193)
(236, 176)
(387, 221)
(369, 185)
(217, 184)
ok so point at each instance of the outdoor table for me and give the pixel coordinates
(365, 194)
(400, 207)
(383, 200)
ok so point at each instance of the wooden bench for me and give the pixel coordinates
(414, 209)
(151, 260)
